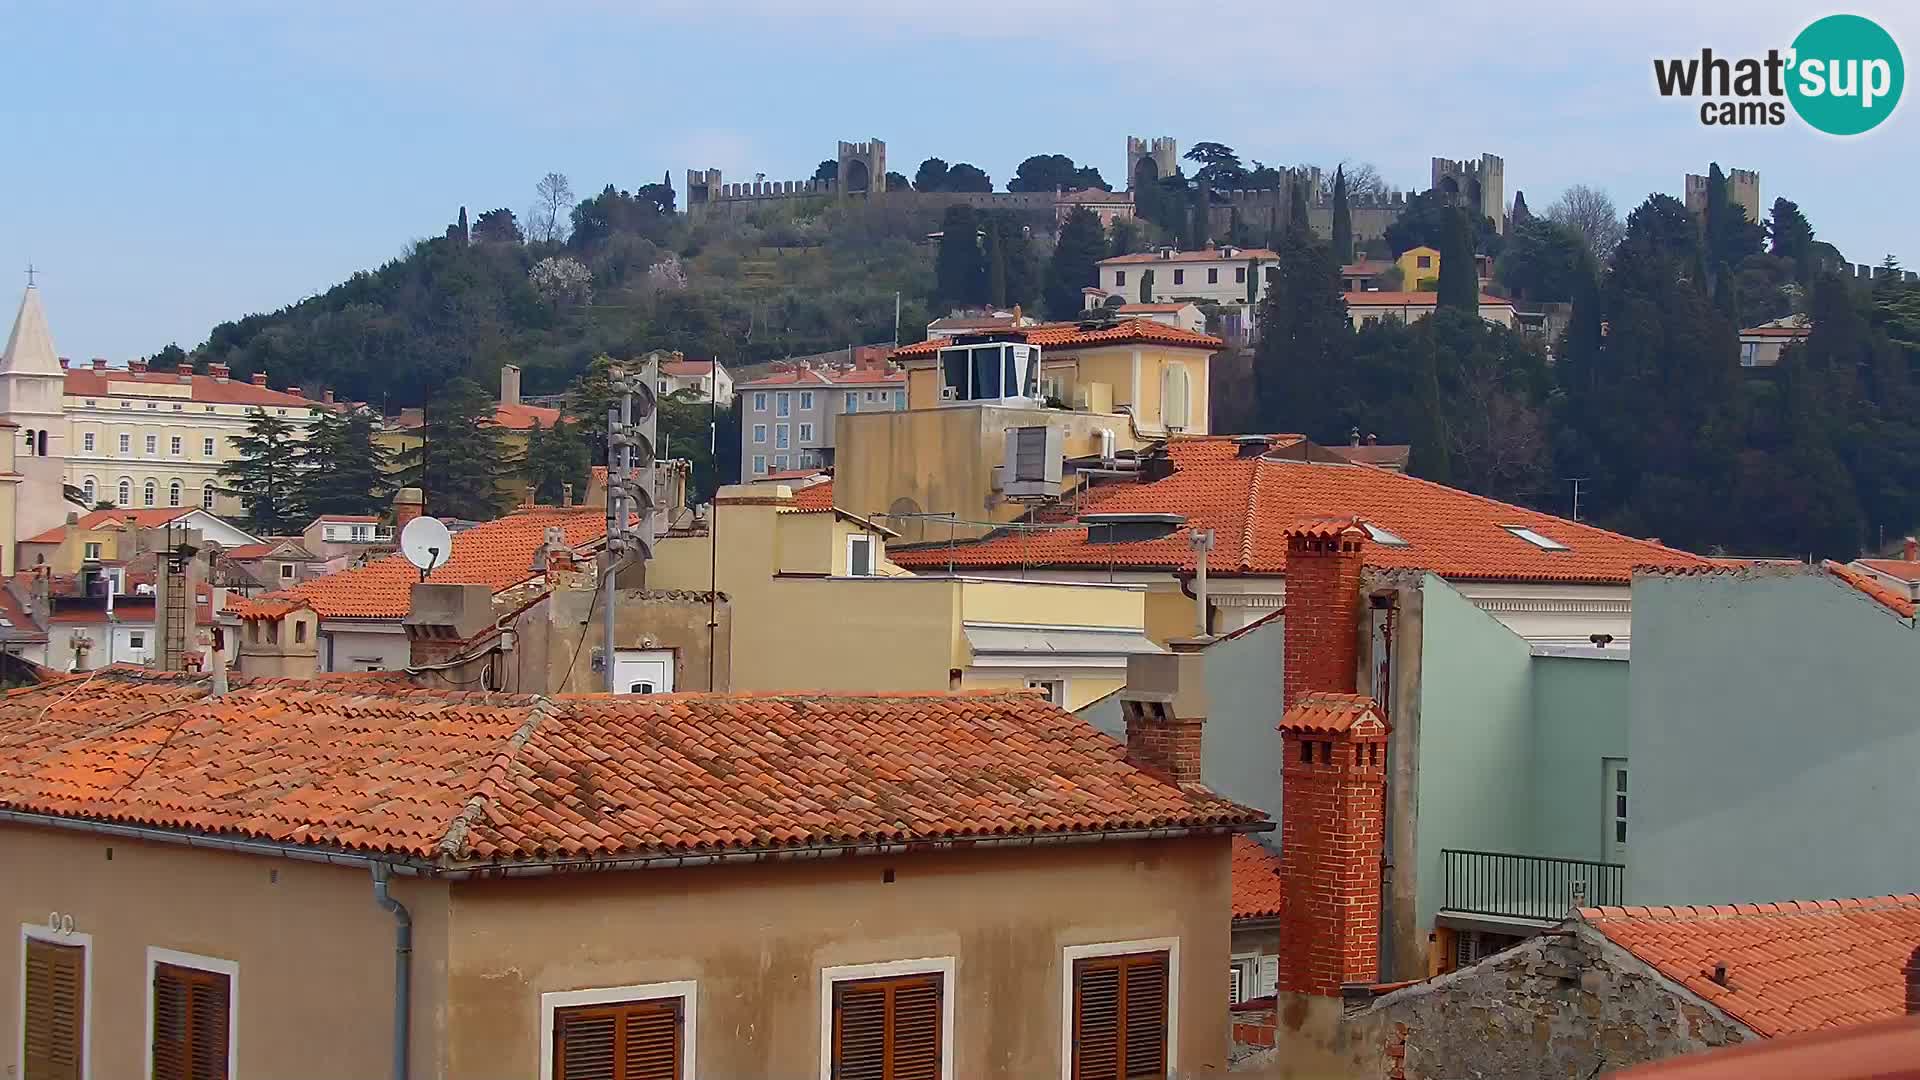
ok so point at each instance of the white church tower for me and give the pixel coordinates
(32, 396)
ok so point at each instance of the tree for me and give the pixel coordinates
(1146, 286)
(995, 256)
(1459, 275)
(457, 232)
(1220, 167)
(1305, 336)
(461, 460)
(1074, 266)
(613, 212)
(553, 198)
(1520, 215)
(556, 456)
(898, 182)
(171, 358)
(1126, 237)
(265, 473)
(1792, 238)
(1342, 219)
(342, 468)
(965, 177)
(497, 227)
(932, 175)
(960, 272)
(828, 170)
(660, 196)
(1591, 212)
(1728, 236)
(1049, 172)
(1544, 261)
(560, 280)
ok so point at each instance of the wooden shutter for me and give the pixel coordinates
(633, 1040)
(191, 1012)
(55, 1010)
(887, 1029)
(1120, 1017)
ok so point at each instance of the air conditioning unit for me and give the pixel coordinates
(1031, 469)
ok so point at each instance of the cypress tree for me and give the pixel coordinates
(1082, 244)
(1146, 287)
(1342, 219)
(996, 258)
(1297, 201)
(1520, 215)
(1459, 279)
(958, 270)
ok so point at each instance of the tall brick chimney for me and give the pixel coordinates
(1912, 972)
(1332, 829)
(408, 503)
(1323, 596)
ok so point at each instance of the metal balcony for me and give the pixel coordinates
(1530, 887)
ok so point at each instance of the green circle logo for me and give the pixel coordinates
(1846, 75)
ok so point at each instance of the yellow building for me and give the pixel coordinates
(1419, 268)
(1105, 390)
(817, 605)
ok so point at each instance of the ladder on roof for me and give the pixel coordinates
(176, 610)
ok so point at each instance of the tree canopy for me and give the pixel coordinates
(1047, 172)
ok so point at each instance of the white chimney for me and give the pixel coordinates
(509, 384)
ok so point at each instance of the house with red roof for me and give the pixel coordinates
(675, 885)
(1614, 987)
(1762, 345)
(789, 419)
(707, 380)
(1901, 574)
(1220, 275)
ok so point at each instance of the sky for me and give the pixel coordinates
(170, 166)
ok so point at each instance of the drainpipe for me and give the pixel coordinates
(1201, 541)
(402, 968)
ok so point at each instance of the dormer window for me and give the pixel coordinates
(1544, 543)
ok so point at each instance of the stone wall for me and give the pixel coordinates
(1566, 1004)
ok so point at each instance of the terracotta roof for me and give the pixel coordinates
(497, 554)
(455, 778)
(814, 497)
(1248, 501)
(1875, 589)
(788, 377)
(686, 369)
(1791, 967)
(1378, 454)
(1330, 714)
(1887, 1050)
(1071, 335)
(139, 519)
(1256, 880)
(1152, 309)
(866, 376)
(1893, 568)
(1206, 255)
(522, 417)
(347, 519)
(1413, 299)
(89, 382)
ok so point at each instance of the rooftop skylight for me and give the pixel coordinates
(1382, 536)
(1544, 543)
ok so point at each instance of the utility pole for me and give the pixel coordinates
(630, 491)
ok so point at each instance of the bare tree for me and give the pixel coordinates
(553, 204)
(1363, 180)
(1590, 211)
(1497, 438)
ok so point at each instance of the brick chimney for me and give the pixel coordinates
(408, 503)
(509, 384)
(220, 372)
(99, 363)
(326, 395)
(1912, 972)
(1322, 607)
(294, 390)
(1332, 830)
(1165, 705)
(1911, 549)
(259, 378)
(138, 367)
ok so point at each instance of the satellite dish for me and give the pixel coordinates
(427, 544)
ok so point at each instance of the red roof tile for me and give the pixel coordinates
(1887, 1050)
(1412, 299)
(1332, 714)
(683, 369)
(1256, 880)
(1893, 568)
(497, 554)
(1249, 501)
(814, 497)
(788, 377)
(1204, 255)
(88, 382)
(1791, 967)
(461, 778)
(1876, 590)
(139, 519)
(1068, 335)
(522, 417)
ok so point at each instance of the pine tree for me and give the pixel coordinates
(1305, 337)
(266, 473)
(959, 270)
(1342, 218)
(461, 459)
(1459, 276)
(1082, 244)
(996, 259)
(1793, 238)
(557, 457)
(343, 470)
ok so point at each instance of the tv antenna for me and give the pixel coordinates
(427, 544)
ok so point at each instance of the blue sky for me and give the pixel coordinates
(171, 166)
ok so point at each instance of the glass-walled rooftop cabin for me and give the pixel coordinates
(1003, 372)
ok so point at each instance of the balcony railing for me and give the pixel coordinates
(1526, 886)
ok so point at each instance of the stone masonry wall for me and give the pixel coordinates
(1565, 1004)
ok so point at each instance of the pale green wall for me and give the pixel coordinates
(1774, 741)
(1580, 719)
(1476, 738)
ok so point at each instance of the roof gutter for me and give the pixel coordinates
(414, 867)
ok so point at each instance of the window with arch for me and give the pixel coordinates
(126, 492)
(173, 493)
(149, 493)
(87, 486)
(206, 497)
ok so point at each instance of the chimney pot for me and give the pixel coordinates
(408, 503)
(259, 378)
(1165, 704)
(1912, 549)
(99, 363)
(63, 363)
(137, 366)
(220, 372)
(294, 390)
(326, 395)
(509, 384)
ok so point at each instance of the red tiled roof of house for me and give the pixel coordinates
(347, 519)
(814, 498)
(1067, 335)
(787, 377)
(1412, 299)
(1328, 713)
(522, 417)
(1249, 501)
(1256, 880)
(139, 519)
(1885, 1050)
(686, 369)
(1204, 255)
(497, 554)
(1777, 331)
(1790, 967)
(856, 376)
(250, 551)
(451, 778)
(1893, 568)
(91, 382)
(1876, 590)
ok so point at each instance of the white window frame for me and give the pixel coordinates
(176, 446)
(857, 540)
(1168, 945)
(1048, 682)
(43, 932)
(806, 433)
(806, 400)
(759, 464)
(782, 403)
(759, 401)
(782, 436)
(760, 434)
(153, 445)
(86, 441)
(779, 463)
(942, 966)
(230, 968)
(126, 442)
(686, 990)
(207, 492)
(91, 487)
(207, 447)
(853, 401)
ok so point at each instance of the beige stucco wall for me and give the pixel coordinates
(315, 953)
(755, 938)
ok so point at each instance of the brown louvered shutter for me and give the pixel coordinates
(636, 1040)
(191, 1011)
(1120, 1017)
(55, 1010)
(887, 1029)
